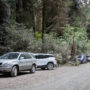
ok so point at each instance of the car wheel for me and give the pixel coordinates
(84, 61)
(33, 69)
(14, 71)
(50, 66)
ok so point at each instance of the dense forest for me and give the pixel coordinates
(53, 26)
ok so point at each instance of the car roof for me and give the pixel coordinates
(81, 55)
(87, 55)
(42, 54)
(19, 52)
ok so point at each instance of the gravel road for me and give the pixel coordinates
(62, 78)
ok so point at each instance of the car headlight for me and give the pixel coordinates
(6, 65)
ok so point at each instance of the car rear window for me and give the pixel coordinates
(87, 56)
(79, 56)
(43, 56)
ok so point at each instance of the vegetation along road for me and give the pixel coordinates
(62, 78)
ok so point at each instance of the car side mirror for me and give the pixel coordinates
(21, 58)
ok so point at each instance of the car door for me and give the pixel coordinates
(41, 60)
(22, 62)
(29, 61)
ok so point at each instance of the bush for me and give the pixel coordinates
(74, 63)
(79, 35)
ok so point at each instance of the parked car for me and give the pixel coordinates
(88, 58)
(45, 61)
(14, 62)
(82, 58)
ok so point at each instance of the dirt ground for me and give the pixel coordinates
(62, 78)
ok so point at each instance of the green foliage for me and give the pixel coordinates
(74, 63)
(79, 34)
(37, 3)
(5, 1)
(16, 37)
(38, 35)
(61, 62)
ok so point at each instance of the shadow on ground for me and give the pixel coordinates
(7, 75)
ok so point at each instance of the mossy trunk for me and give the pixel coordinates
(5, 14)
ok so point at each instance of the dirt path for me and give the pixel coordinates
(62, 78)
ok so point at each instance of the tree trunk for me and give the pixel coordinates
(33, 18)
(19, 10)
(43, 19)
(34, 25)
(73, 49)
(5, 13)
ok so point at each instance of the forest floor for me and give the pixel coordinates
(62, 78)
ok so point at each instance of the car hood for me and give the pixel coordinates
(6, 60)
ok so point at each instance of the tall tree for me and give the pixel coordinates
(19, 10)
(62, 18)
(43, 18)
(5, 14)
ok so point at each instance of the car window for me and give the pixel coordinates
(50, 56)
(39, 56)
(79, 56)
(32, 55)
(26, 56)
(10, 56)
(87, 56)
(43, 56)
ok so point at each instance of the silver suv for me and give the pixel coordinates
(14, 62)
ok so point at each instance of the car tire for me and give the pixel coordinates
(84, 61)
(50, 66)
(33, 69)
(14, 71)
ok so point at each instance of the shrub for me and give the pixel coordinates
(74, 63)
(78, 34)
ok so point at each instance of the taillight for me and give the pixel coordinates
(55, 58)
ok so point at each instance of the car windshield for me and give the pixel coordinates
(80, 56)
(10, 56)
